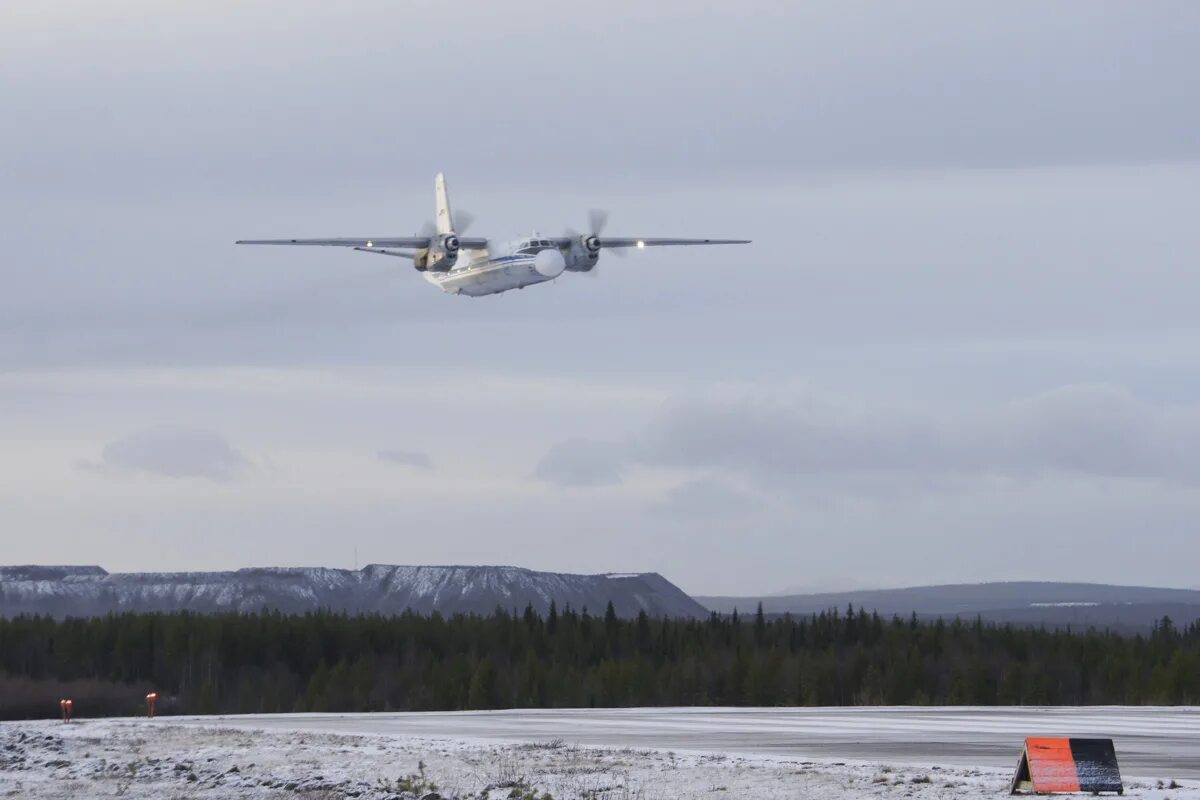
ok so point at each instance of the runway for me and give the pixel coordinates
(1150, 741)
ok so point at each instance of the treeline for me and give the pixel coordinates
(271, 662)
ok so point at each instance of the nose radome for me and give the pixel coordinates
(549, 263)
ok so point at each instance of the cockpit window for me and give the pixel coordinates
(534, 245)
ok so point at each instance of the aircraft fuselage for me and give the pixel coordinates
(491, 271)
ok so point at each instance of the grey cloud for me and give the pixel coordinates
(704, 498)
(1098, 430)
(1087, 430)
(408, 458)
(581, 462)
(789, 85)
(174, 452)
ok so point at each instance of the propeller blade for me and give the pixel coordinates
(597, 222)
(597, 219)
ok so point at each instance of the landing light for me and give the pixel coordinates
(641, 243)
(370, 244)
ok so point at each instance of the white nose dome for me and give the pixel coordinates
(549, 263)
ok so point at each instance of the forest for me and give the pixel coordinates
(271, 662)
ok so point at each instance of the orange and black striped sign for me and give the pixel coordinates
(1068, 765)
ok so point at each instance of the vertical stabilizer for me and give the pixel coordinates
(445, 221)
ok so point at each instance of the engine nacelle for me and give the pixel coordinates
(583, 253)
(441, 256)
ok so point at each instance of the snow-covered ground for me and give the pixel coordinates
(1150, 740)
(253, 758)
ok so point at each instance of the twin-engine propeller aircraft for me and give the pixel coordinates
(465, 265)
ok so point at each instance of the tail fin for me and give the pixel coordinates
(445, 220)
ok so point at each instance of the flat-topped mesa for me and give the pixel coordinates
(35, 572)
(376, 588)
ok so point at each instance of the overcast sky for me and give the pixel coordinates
(963, 346)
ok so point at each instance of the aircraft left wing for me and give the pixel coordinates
(612, 241)
(609, 241)
(417, 242)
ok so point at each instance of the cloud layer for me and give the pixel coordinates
(705, 498)
(173, 452)
(1089, 430)
(407, 458)
(1099, 431)
(581, 462)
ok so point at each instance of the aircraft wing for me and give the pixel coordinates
(409, 254)
(611, 241)
(417, 242)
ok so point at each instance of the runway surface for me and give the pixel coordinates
(1150, 741)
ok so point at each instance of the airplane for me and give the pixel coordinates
(473, 267)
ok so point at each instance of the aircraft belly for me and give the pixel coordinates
(492, 278)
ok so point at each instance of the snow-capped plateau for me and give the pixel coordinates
(90, 590)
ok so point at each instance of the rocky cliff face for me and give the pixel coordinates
(89, 591)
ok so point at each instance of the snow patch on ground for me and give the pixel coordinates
(143, 759)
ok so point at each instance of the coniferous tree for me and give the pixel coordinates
(336, 662)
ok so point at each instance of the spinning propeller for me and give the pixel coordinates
(597, 222)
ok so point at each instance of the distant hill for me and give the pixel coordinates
(90, 591)
(1026, 602)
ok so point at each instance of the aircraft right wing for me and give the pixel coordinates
(409, 254)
